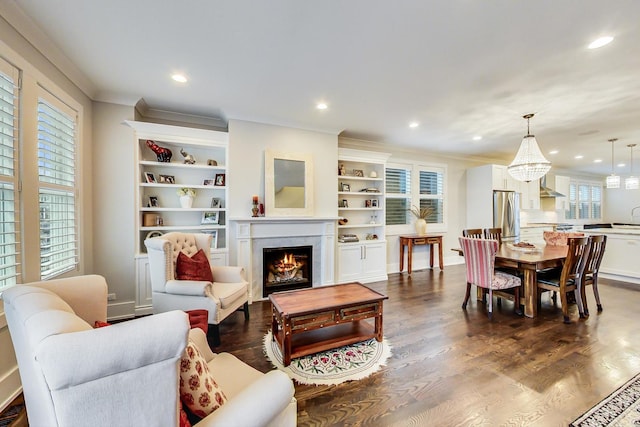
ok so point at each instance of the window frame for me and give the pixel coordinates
(574, 203)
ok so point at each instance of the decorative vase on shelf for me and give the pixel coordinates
(421, 226)
(186, 201)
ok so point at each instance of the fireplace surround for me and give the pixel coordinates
(253, 235)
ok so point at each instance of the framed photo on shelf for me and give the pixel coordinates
(167, 179)
(374, 203)
(214, 240)
(153, 202)
(209, 218)
(345, 187)
(345, 203)
(207, 182)
(150, 178)
(358, 172)
(367, 203)
(216, 203)
(220, 180)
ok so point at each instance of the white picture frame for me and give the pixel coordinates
(214, 240)
(216, 203)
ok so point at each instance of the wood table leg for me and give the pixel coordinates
(431, 255)
(440, 255)
(378, 330)
(530, 293)
(401, 255)
(409, 255)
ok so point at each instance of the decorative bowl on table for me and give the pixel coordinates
(523, 247)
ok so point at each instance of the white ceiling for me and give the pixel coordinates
(458, 67)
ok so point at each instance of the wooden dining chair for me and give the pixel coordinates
(590, 276)
(475, 233)
(479, 258)
(570, 277)
(493, 233)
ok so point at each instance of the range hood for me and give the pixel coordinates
(546, 192)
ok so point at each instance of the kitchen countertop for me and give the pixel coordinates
(628, 230)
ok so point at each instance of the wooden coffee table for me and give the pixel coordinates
(313, 320)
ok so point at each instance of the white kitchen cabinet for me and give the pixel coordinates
(363, 262)
(501, 179)
(562, 186)
(530, 195)
(534, 234)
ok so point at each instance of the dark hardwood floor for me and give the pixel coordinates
(455, 368)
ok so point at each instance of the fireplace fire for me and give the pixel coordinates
(286, 269)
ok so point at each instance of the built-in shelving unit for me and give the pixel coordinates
(361, 210)
(159, 209)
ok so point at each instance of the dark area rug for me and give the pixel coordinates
(620, 408)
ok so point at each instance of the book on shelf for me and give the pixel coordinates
(343, 238)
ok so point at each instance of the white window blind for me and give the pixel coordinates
(10, 250)
(585, 200)
(398, 195)
(57, 175)
(432, 194)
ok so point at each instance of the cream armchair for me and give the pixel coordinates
(126, 374)
(228, 293)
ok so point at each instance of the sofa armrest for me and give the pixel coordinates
(275, 384)
(227, 274)
(70, 359)
(86, 295)
(199, 338)
(188, 287)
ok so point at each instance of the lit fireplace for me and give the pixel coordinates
(286, 269)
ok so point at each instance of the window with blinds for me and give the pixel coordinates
(57, 195)
(398, 195)
(585, 201)
(10, 250)
(432, 194)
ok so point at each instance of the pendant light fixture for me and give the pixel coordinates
(632, 182)
(529, 163)
(613, 180)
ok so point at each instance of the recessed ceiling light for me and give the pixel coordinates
(180, 78)
(477, 138)
(579, 156)
(599, 42)
(553, 152)
(621, 165)
(322, 106)
(597, 161)
(413, 125)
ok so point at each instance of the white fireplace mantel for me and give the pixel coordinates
(255, 234)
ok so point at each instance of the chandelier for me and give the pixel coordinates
(529, 163)
(631, 183)
(613, 180)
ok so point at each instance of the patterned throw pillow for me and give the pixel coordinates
(193, 268)
(198, 390)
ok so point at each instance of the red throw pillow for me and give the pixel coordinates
(100, 324)
(193, 268)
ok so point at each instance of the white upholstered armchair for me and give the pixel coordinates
(228, 292)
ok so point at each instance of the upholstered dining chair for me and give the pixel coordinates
(493, 233)
(475, 233)
(479, 258)
(590, 276)
(226, 293)
(570, 277)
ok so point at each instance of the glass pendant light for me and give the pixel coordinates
(529, 163)
(613, 180)
(631, 183)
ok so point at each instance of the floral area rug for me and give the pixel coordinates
(348, 363)
(620, 408)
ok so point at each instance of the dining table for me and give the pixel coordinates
(527, 262)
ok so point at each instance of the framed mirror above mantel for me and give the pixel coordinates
(288, 184)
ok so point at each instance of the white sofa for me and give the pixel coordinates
(126, 374)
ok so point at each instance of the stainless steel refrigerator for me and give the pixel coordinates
(506, 214)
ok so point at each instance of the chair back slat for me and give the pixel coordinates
(493, 233)
(596, 253)
(576, 261)
(474, 233)
(479, 258)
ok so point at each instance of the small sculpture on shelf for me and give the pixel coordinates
(255, 209)
(188, 158)
(162, 154)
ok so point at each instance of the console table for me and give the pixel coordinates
(416, 240)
